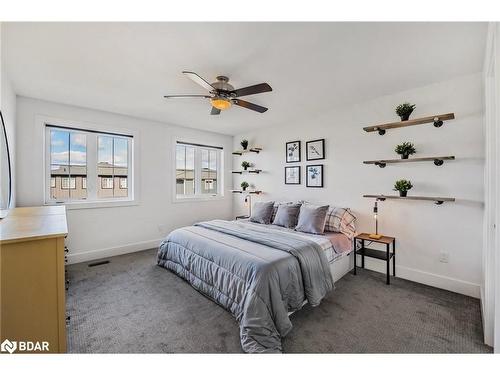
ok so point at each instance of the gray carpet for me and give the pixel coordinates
(133, 306)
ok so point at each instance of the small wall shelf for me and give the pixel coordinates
(437, 120)
(248, 171)
(437, 200)
(246, 191)
(438, 160)
(253, 149)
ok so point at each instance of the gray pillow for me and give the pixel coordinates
(312, 219)
(287, 215)
(261, 212)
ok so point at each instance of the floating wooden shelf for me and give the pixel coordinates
(253, 149)
(247, 191)
(437, 120)
(248, 171)
(438, 160)
(437, 200)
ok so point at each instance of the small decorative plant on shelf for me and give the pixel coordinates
(244, 185)
(405, 149)
(245, 165)
(404, 110)
(244, 144)
(402, 186)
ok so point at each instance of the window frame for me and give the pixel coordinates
(43, 122)
(198, 196)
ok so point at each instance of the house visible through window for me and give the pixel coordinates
(198, 170)
(69, 164)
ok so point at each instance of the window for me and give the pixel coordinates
(106, 182)
(68, 183)
(197, 170)
(75, 155)
(112, 163)
(68, 159)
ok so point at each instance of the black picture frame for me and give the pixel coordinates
(308, 184)
(322, 156)
(299, 174)
(299, 151)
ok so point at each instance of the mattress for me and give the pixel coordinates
(335, 245)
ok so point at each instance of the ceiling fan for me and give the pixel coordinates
(223, 95)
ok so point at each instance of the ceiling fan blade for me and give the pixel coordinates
(185, 96)
(200, 81)
(250, 90)
(248, 105)
(215, 111)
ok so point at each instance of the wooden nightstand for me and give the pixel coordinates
(377, 254)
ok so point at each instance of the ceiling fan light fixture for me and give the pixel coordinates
(221, 103)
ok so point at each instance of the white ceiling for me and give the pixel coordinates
(127, 67)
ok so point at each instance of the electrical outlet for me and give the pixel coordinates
(444, 257)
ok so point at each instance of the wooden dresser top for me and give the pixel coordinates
(33, 223)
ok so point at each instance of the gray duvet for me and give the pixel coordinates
(257, 274)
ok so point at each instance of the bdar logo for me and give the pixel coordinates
(8, 346)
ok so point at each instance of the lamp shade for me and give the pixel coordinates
(221, 103)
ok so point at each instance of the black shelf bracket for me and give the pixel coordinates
(438, 203)
(381, 131)
(437, 122)
(438, 162)
(380, 164)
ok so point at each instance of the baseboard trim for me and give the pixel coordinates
(438, 281)
(86, 256)
(427, 278)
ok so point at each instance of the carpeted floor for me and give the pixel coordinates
(133, 306)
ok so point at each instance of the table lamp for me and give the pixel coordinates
(248, 203)
(375, 235)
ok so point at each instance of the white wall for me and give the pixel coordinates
(99, 232)
(8, 107)
(422, 229)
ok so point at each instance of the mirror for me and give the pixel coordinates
(5, 172)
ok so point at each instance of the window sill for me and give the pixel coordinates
(95, 204)
(197, 199)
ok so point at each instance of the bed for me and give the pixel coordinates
(260, 273)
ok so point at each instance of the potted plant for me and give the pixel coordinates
(245, 165)
(244, 144)
(402, 186)
(244, 185)
(405, 149)
(404, 110)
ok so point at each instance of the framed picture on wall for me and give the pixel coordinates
(292, 175)
(314, 176)
(315, 150)
(293, 152)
